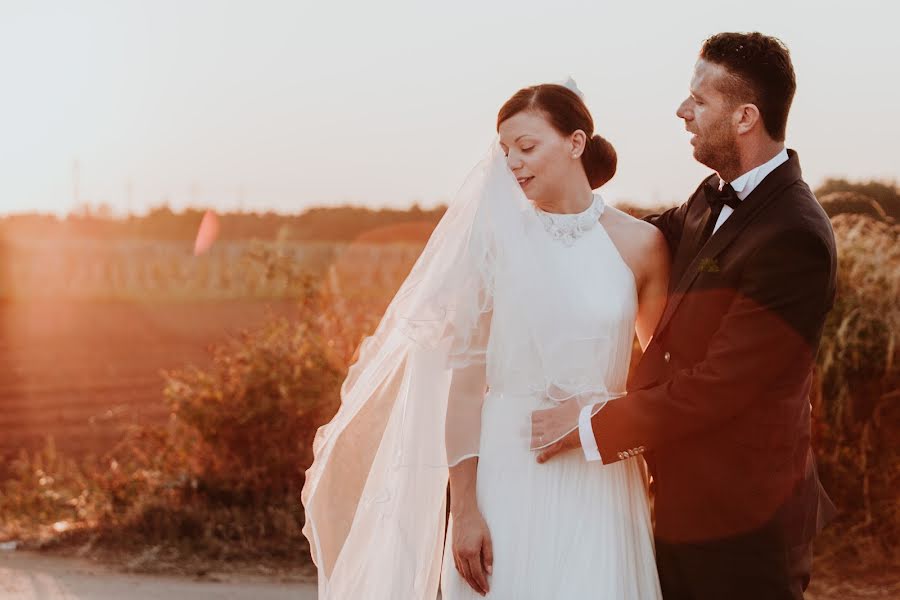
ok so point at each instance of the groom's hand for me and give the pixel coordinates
(569, 442)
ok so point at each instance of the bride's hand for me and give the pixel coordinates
(550, 424)
(569, 442)
(473, 551)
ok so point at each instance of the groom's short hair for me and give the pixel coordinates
(760, 72)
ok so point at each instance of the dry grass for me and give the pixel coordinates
(858, 420)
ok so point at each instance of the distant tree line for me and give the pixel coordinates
(334, 224)
(876, 199)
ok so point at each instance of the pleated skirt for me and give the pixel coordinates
(566, 529)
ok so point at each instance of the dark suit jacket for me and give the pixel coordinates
(719, 403)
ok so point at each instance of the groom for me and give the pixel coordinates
(719, 404)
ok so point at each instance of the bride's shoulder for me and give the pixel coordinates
(641, 245)
(640, 235)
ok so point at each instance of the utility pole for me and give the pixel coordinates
(240, 198)
(76, 198)
(128, 191)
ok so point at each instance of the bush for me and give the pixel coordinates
(837, 203)
(45, 492)
(887, 195)
(250, 419)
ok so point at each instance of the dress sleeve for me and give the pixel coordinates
(468, 384)
(469, 331)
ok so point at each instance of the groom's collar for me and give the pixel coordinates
(784, 168)
(746, 183)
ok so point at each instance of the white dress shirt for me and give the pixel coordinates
(743, 186)
(747, 182)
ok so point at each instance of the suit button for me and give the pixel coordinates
(667, 357)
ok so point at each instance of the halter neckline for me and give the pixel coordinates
(567, 227)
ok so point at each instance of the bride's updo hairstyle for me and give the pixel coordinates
(566, 113)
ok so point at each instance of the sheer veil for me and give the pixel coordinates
(375, 494)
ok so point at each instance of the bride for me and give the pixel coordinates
(527, 296)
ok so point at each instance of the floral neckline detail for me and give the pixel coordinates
(568, 227)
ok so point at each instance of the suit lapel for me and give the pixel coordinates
(697, 219)
(697, 239)
(754, 204)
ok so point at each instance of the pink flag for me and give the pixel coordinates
(207, 234)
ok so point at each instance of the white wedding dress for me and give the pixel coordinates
(539, 310)
(567, 529)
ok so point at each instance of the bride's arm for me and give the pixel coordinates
(462, 486)
(471, 544)
(652, 287)
(465, 398)
(463, 431)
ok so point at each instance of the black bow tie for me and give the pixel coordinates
(718, 198)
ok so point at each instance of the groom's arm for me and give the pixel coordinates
(766, 340)
(671, 222)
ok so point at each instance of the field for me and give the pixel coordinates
(87, 327)
(80, 371)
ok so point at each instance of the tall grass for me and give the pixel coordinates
(858, 404)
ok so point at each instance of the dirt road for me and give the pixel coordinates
(32, 576)
(29, 576)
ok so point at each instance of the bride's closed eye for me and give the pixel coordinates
(526, 150)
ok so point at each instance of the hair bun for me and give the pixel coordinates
(599, 160)
(566, 112)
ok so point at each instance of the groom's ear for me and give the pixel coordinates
(746, 117)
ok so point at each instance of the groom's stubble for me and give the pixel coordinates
(716, 147)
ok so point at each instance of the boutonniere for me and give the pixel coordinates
(709, 265)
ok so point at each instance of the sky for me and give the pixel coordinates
(277, 105)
